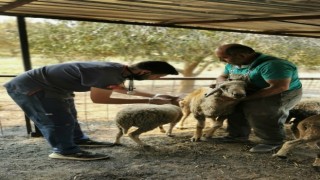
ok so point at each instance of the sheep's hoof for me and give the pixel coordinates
(146, 146)
(279, 156)
(194, 139)
(208, 138)
(170, 135)
(117, 144)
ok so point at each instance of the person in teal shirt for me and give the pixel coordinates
(273, 89)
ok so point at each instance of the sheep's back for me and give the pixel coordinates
(303, 110)
(309, 127)
(196, 98)
(214, 106)
(147, 115)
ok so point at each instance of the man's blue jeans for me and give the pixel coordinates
(55, 117)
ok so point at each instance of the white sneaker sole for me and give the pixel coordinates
(60, 156)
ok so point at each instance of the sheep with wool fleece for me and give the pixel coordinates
(214, 103)
(146, 117)
(307, 132)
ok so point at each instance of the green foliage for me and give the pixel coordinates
(9, 39)
(301, 51)
(73, 40)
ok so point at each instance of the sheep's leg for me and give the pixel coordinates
(217, 123)
(162, 129)
(198, 133)
(119, 135)
(135, 136)
(169, 133)
(184, 117)
(287, 146)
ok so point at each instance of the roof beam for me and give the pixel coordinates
(15, 4)
(163, 25)
(246, 19)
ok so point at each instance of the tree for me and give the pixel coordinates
(74, 40)
(9, 39)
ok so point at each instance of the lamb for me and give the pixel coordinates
(146, 117)
(303, 110)
(306, 132)
(216, 104)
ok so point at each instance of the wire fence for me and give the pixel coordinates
(12, 119)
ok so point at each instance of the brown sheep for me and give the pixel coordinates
(304, 109)
(306, 132)
(212, 103)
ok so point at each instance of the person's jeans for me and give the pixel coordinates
(56, 118)
(266, 116)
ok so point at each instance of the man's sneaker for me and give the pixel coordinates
(90, 143)
(80, 156)
(264, 148)
(231, 139)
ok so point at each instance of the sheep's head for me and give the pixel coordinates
(234, 89)
(294, 126)
(231, 89)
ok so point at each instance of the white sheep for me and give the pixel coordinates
(214, 103)
(146, 117)
(306, 132)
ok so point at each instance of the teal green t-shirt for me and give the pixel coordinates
(267, 67)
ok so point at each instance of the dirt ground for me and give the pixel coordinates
(24, 157)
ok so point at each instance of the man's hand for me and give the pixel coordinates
(159, 101)
(212, 86)
(173, 99)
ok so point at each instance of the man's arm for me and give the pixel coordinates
(275, 87)
(220, 79)
(103, 96)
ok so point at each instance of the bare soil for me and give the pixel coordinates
(23, 157)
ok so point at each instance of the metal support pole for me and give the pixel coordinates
(24, 44)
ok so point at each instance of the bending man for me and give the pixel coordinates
(46, 96)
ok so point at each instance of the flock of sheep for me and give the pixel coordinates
(216, 103)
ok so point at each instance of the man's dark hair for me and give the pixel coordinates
(233, 49)
(156, 67)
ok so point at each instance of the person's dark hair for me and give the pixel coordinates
(233, 49)
(156, 67)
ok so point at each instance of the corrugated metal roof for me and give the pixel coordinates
(275, 17)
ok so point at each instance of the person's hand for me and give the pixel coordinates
(159, 101)
(174, 99)
(212, 86)
(165, 96)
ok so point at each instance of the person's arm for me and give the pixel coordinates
(275, 87)
(103, 96)
(220, 79)
(135, 92)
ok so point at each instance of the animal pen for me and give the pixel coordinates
(11, 117)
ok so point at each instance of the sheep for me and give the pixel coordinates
(214, 103)
(303, 110)
(146, 117)
(307, 132)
